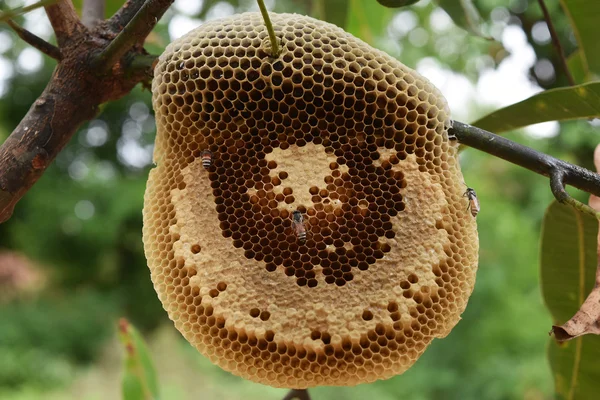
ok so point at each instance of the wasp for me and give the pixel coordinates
(207, 158)
(298, 225)
(473, 201)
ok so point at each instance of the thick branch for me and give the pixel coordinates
(10, 14)
(297, 394)
(556, 42)
(134, 32)
(92, 12)
(122, 17)
(35, 41)
(71, 98)
(64, 21)
(526, 157)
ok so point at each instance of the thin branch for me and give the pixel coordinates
(35, 41)
(561, 172)
(557, 186)
(134, 32)
(10, 14)
(298, 394)
(64, 21)
(122, 17)
(556, 42)
(265, 14)
(92, 12)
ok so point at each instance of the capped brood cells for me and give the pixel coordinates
(355, 141)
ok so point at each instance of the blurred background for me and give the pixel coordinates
(71, 257)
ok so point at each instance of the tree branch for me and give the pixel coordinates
(556, 42)
(10, 14)
(557, 186)
(122, 17)
(559, 171)
(92, 12)
(72, 97)
(298, 394)
(134, 32)
(35, 41)
(64, 21)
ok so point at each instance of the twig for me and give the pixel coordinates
(557, 186)
(134, 32)
(64, 21)
(299, 394)
(92, 12)
(35, 41)
(122, 17)
(556, 42)
(559, 171)
(274, 45)
(10, 14)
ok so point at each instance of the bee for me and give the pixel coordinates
(298, 225)
(473, 201)
(207, 158)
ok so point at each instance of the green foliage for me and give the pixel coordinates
(139, 376)
(465, 14)
(366, 20)
(568, 268)
(581, 101)
(41, 341)
(584, 17)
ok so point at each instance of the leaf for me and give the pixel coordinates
(139, 379)
(584, 17)
(367, 21)
(561, 104)
(396, 3)
(575, 65)
(568, 265)
(464, 13)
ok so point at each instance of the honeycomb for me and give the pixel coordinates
(305, 223)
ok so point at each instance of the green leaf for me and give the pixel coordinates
(367, 21)
(464, 14)
(584, 16)
(575, 65)
(561, 104)
(568, 267)
(139, 379)
(396, 3)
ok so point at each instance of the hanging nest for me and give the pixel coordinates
(305, 223)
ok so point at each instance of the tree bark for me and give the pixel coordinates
(74, 93)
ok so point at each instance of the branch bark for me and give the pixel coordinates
(122, 17)
(133, 33)
(71, 98)
(92, 12)
(526, 157)
(64, 21)
(35, 41)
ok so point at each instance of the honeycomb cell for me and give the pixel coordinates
(328, 241)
